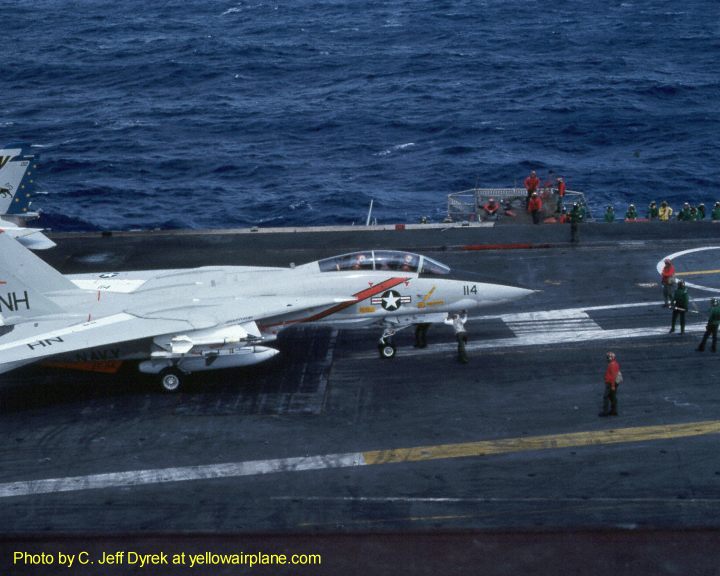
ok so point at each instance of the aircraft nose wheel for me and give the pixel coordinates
(387, 351)
(170, 379)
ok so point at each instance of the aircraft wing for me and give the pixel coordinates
(29, 347)
(25, 344)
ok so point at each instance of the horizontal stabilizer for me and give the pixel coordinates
(32, 238)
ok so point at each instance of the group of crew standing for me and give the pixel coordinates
(675, 296)
(664, 213)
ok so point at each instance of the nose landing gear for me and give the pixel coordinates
(386, 346)
(387, 350)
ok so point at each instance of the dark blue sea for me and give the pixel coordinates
(224, 113)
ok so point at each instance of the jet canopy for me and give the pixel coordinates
(390, 260)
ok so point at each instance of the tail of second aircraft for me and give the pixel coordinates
(17, 180)
(26, 285)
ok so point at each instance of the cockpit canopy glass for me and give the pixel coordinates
(390, 260)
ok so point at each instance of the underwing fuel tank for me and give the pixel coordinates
(234, 358)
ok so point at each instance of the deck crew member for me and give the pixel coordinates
(685, 213)
(561, 194)
(667, 277)
(421, 334)
(680, 303)
(715, 214)
(613, 377)
(491, 208)
(631, 214)
(531, 184)
(576, 216)
(609, 214)
(535, 207)
(457, 321)
(712, 326)
(665, 212)
(653, 211)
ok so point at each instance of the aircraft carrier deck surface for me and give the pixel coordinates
(415, 465)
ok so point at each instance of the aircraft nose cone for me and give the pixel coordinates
(510, 293)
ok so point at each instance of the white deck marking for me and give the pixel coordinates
(184, 474)
(661, 264)
(482, 448)
(556, 321)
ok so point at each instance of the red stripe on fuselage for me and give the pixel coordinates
(359, 297)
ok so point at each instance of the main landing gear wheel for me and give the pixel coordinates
(387, 351)
(170, 379)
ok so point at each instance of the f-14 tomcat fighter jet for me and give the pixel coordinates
(180, 321)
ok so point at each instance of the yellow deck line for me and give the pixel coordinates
(135, 478)
(523, 444)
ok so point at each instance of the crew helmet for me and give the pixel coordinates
(714, 302)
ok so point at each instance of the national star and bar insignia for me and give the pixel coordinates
(391, 300)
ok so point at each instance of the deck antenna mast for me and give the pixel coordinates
(367, 222)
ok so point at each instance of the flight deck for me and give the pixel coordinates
(328, 446)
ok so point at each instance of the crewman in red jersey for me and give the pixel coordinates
(491, 208)
(535, 207)
(613, 377)
(667, 277)
(560, 187)
(531, 184)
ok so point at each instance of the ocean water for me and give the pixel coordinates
(224, 113)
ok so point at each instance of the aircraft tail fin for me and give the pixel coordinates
(25, 283)
(17, 180)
